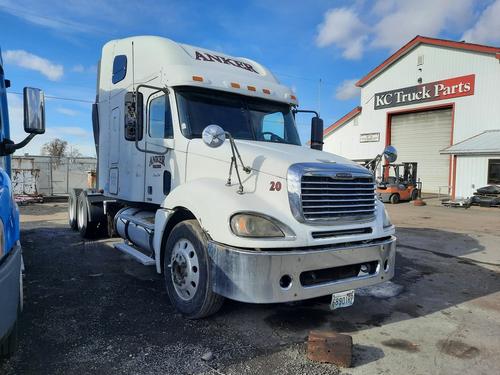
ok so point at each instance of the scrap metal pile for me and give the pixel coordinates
(488, 196)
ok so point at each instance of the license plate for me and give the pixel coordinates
(342, 299)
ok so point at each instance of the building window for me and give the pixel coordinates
(494, 171)
(119, 68)
(160, 118)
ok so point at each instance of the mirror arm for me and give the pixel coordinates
(137, 146)
(8, 147)
(295, 111)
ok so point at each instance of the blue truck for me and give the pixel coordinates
(10, 248)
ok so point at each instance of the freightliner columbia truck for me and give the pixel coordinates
(10, 248)
(202, 173)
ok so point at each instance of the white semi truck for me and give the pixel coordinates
(202, 173)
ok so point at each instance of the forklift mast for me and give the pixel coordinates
(410, 172)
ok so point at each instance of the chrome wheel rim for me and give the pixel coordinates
(80, 215)
(72, 207)
(184, 268)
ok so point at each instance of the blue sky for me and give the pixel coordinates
(54, 45)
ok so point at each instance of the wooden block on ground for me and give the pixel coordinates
(330, 347)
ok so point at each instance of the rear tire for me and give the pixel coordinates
(394, 198)
(73, 208)
(188, 279)
(87, 229)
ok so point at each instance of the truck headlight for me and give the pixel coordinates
(2, 239)
(387, 221)
(255, 225)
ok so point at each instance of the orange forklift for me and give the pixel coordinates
(399, 183)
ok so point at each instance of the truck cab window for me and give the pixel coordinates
(119, 68)
(244, 117)
(160, 118)
(274, 123)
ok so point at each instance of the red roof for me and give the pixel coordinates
(342, 121)
(425, 40)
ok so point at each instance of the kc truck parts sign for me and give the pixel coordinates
(427, 92)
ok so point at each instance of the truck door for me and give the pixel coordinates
(159, 137)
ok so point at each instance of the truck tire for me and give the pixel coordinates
(394, 198)
(188, 279)
(73, 208)
(87, 229)
(9, 344)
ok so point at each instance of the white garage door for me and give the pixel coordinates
(419, 137)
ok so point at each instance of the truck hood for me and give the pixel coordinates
(271, 158)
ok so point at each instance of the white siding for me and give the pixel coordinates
(472, 173)
(345, 142)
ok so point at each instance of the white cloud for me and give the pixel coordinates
(487, 28)
(67, 111)
(27, 60)
(79, 68)
(420, 17)
(347, 90)
(343, 28)
(49, 14)
(389, 24)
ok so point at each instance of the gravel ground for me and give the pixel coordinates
(89, 309)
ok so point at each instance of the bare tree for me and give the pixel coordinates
(56, 148)
(73, 152)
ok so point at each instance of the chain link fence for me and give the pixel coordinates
(49, 176)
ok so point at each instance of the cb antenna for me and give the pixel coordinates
(133, 68)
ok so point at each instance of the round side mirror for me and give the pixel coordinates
(213, 136)
(390, 153)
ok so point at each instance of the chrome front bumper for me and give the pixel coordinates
(254, 276)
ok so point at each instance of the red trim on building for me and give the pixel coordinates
(431, 41)
(342, 121)
(454, 182)
(388, 125)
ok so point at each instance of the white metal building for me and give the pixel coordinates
(429, 95)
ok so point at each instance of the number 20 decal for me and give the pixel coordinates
(275, 186)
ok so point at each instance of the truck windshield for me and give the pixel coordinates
(243, 117)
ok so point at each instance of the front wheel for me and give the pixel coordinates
(394, 198)
(187, 272)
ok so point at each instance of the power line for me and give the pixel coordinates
(58, 98)
(316, 80)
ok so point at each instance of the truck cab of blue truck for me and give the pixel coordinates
(10, 246)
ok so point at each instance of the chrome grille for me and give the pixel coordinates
(327, 197)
